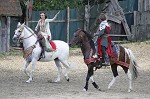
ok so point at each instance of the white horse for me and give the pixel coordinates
(30, 42)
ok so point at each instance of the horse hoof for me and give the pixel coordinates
(99, 89)
(57, 81)
(129, 90)
(68, 79)
(84, 89)
(108, 87)
(28, 81)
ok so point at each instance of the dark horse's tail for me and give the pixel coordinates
(133, 64)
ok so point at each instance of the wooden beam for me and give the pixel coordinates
(114, 18)
(117, 35)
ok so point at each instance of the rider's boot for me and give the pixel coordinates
(105, 59)
(96, 51)
(43, 52)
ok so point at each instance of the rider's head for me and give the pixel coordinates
(102, 17)
(43, 15)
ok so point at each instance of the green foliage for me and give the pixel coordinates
(55, 4)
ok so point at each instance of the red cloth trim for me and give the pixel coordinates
(53, 45)
(108, 29)
(88, 61)
(99, 46)
(122, 63)
(109, 49)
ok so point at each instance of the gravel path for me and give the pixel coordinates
(13, 86)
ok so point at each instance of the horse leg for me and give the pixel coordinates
(94, 84)
(115, 74)
(90, 76)
(32, 70)
(128, 73)
(25, 67)
(67, 65)
(57, 62)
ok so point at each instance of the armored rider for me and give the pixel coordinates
(103, 41)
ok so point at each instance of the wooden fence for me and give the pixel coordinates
(141, 27)
(143, 5)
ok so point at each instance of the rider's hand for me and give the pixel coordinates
(57, 13)
(35, 30)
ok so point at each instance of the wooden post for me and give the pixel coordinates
(86, 17)
(27, 12)
(8, 34)
(67, 20)
(1, 33)
(4, 34)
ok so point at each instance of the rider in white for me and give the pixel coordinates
(44, 32)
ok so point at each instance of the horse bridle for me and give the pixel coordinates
(81, 40)
(22, 38)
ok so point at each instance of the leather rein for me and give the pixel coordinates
(22, 38)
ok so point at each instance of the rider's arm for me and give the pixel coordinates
(37, 26)
(51, 20)
(100, 33)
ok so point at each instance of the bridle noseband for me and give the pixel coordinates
(22, 38)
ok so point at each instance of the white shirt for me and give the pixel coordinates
(46, 25)
(103, 25)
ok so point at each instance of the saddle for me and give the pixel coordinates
(50, 46)
(47, 43)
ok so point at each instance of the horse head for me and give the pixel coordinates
(78, 37)
(18, 32)
(23, 32)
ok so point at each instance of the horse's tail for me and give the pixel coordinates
(133, 66)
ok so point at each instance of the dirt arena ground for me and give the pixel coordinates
(13, 85)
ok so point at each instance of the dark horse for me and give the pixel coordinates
(124, 58)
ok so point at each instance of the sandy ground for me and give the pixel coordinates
(13, 86)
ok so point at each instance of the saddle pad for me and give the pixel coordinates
(53, 45)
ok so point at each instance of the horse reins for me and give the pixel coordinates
(28, 36)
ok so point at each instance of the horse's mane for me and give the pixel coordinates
(29, 28)
(88, 35)
(90, 39)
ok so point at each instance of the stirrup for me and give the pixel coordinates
(42, 56)
(95, 56)
(106, 64)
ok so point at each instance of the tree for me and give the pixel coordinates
(55, 4)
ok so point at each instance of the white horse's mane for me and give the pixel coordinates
(29, 28)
